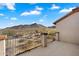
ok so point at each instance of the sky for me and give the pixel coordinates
(12, 14)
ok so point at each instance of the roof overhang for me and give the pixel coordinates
(70, 13)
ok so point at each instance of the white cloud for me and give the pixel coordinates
(36, 11)
(1, 14)
(10, 6)
(33, 22)
(39, 8)
(41, 20)
(13, 18)
(66, 10)
(25, 13)
(54, 6)
(11, 23)
(33, 12)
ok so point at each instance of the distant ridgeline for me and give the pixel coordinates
(24, 29)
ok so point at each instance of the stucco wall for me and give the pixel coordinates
(69, 28)
(2, 48)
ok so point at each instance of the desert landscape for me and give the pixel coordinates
(39, 29)
(26, 37)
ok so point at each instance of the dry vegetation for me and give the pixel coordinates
(18, 45)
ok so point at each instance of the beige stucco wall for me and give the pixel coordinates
(69, 28)
(2, 49)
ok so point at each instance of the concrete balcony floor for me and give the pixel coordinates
(56, 48)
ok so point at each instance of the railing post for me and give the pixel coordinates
(44, 40)
(57, 36)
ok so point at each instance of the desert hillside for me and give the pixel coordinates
(25, 29)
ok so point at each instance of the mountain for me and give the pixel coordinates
(52, 27)
(23, 29)
(26, 29)
(34, 25)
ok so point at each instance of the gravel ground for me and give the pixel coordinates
(54, 49)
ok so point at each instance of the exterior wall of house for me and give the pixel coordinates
(2, 49)
(68, 28)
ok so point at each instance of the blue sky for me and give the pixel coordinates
(12, 14)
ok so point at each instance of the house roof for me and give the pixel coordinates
(3, 37)
(72, 12)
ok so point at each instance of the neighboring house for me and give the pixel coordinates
(68, 27)
(2, 44)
